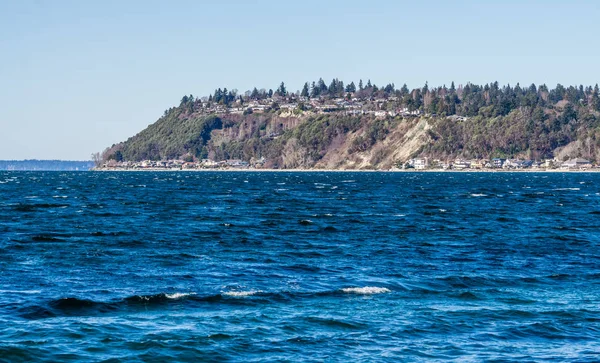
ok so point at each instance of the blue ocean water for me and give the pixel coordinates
(253, 266)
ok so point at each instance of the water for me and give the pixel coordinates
(235, 266)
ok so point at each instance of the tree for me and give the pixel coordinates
(305, 91)
(360, 85)
(596, 98)
(270, 94)
(351, 88)
(389, 89)
(224, 96)
(117, 156)
(404, 90)
(333, 87)
(315, 91)
(97, 159)
(322, 86)
(281, 91)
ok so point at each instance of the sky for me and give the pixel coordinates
(79, 76)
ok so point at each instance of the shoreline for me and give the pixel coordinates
(353, 170)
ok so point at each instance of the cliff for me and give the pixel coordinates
(377, 132)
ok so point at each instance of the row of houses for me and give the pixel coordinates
(416, 163)
(183, 165)
(498, 163)
(319, 105)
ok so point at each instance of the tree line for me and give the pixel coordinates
(469, 100)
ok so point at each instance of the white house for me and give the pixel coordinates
(420, 163)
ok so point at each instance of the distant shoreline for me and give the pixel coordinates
(355, 170)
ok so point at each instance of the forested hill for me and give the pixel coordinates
(370, 127)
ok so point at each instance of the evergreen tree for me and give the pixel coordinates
(305, 92)
(360, 85)
(351, 88)
(224, 98)
(315, 91)
(281, 91)
(336, 87)
(404, 90)
(389, 89)
(596, 99)
(322, 86)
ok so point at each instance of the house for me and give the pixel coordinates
(517, 164)
(479, 164)
(460, 164)
(237, 163)
(511, 164)
(577, 163)
(420, 163)
(527, 163)
(498, 163)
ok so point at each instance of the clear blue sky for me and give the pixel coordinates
(77, 76)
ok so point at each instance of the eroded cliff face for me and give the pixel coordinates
(404, 141)
(306, 140)
(322, 143)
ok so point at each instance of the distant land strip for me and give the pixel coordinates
(348, 126)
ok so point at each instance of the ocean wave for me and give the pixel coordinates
(161, 298)
(179, 295)
(28, 292)
(367, 290)
(73, 306)
(241, 293)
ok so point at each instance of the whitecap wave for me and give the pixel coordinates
(558, 189)
(367, 290)
(179, 295)
(479, 195)
(241, 293)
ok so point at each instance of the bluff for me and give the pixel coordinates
(377, 130)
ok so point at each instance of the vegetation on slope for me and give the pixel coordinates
(532, 122)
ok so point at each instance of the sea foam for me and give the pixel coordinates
(178, 295)
(367, 290)
(241, 293)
